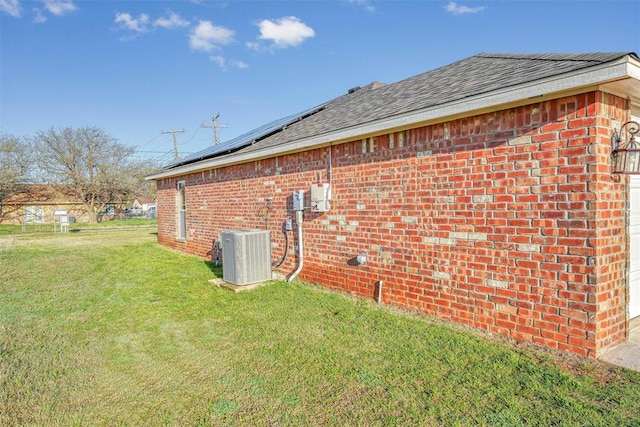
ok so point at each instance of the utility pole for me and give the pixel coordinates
(175, 141)
(215, 128)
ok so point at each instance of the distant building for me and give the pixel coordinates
(143, 203)
(36, 204)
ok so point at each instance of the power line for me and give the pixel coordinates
(193, 135)
(175, 140)
(215, 128)
(150, 141)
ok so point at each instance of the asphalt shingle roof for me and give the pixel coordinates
(468, 77)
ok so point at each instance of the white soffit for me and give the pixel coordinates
(629, 87)
(621, 76)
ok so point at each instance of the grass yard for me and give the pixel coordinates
(76, 226)
(108, 328)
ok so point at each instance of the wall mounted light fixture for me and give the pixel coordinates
(625, 150)
(361, 259)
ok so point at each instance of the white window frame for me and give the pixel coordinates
(181, 206)
(34, 214)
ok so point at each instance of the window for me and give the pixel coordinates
(34, 214)
(109, 209)
(182, 210)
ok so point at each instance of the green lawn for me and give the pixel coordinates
(6, 229)
(111, 329)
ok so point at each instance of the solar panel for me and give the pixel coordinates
(246, 139)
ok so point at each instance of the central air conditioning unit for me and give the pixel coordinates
(246, 256)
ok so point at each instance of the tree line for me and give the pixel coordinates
(85, 162)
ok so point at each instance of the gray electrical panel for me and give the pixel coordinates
(298, 200)
(320, 196)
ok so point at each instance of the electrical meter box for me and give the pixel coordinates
(320, 196)
(298, 200)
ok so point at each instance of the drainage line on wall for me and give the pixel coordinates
(300, 252)
(279, 262)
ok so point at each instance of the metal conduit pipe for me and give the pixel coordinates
(300, 252)
(379, 292)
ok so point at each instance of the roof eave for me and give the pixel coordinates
(626, 67)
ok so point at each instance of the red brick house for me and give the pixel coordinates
(481, 192)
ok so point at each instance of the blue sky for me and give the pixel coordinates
(137, 68)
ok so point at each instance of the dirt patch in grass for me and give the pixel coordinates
(6, 242)
(82, 238)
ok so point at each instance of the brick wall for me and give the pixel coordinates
(509, 221)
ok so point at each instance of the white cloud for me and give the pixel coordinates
(239, 64)
(456, 9)
(256, 46)
(59, 7)
(284, 32)
(39, 17)
(10, 7)
(365, 4)
(224, 64)
(171, 21)
(208, 37)
(218, 60)
(54, 7)
(139, 24)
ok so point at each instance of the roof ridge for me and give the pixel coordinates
(552, 57)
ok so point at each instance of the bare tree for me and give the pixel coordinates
(144, 168)
(14, 165)
(94, 165)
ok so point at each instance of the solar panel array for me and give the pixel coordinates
(246, 139)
